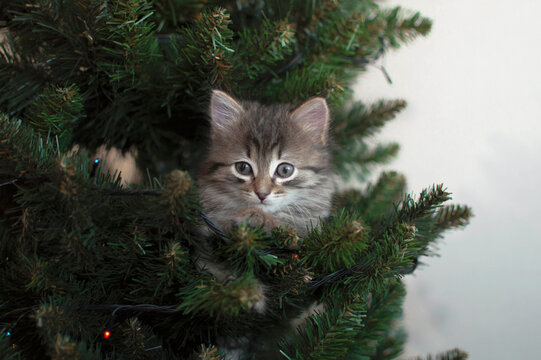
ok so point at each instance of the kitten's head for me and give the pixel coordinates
(273, 157)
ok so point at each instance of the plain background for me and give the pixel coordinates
(473, 123)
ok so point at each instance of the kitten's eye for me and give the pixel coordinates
(243, 168)
(285, 170)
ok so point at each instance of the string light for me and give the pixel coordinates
(106, 334)
(94, 167)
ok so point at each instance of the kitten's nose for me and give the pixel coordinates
(261, 195)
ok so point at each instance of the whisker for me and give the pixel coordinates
(292, 217)
(301, 213)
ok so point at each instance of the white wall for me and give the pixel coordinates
(474, 123)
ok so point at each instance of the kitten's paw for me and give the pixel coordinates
(255, 217)
(257, 300)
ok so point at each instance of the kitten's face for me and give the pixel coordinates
(274, 158)
(270, 178)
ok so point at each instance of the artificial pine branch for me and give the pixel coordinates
(219, 300)
(22, 84)
(258, 50)
(300, 82)
(206, 49)
(208, 353)
(55, 112)
(400, 28)
(357, 157)
(395, 244)
(137, 340)
(380, 198)
(327, 335)
(8, 349)
(378, 155)
(383, 311)
(454, 354)
(85, 253)
(377, 201)
(338, 244)
(452, 216)
(428, 201)
(363, 121)
(392, 346)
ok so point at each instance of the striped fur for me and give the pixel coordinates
(265, 137)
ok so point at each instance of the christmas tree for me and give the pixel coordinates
(94, 268)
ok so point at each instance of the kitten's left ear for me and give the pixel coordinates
(313, 116)
(224, 110)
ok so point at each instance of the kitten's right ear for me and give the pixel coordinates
(224, 110)
(313, 117)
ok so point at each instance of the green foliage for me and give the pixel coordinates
(399, 236)
(54, 113)
(454, 354)
(205, 49)
(431, 218)
(208, 353)
(173, 14)
(219, 300)
(319, 81)
(102, 253)
(7, 349)
(401, 28)
(53, 324)
(363, 120)
(338, 244)
(327, 335)
(140, 253)
(84, 252)
(377, 200)
(352, 126)
(428, 201)
(452, 216)
(357, 158)
(384, 310)
(392, 346)
(144, 69)
(136, 340)
(359, 329)
(244, 250)
(260, 49)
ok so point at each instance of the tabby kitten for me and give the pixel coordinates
(267, 166)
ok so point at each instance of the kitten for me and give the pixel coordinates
(267, 166)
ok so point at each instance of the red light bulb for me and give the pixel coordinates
(106, 334)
